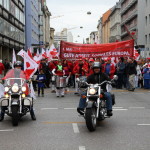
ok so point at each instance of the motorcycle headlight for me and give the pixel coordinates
(92, 91)
(15, 88)
(24, 89)
(6, 89)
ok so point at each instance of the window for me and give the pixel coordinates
(17, 13)
(6, 4)
(145, 39)
(12, 7)
(22, 1)
(21, 17)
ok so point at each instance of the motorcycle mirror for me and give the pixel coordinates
(77, 80)
(115, 77)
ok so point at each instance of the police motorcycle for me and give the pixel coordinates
(16, 103)
(96, 109)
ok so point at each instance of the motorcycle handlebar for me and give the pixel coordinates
(109, 82)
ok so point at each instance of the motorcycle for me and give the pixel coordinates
(15, 102)
(81, 81)
(96, 109)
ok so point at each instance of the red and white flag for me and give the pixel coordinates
(136, 55)
(21, 53)
(29, 53)
(13, 58)
(53, 50)
(44, 55)
(30, 66)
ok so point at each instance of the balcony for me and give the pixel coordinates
(133, 15)
(128, 6)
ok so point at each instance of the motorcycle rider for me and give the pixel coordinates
(96, 78)
(17, 72)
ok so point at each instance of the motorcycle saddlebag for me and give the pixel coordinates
(4, 102)
(28, 101)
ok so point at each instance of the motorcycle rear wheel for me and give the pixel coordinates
(91, 120)
(15, 115)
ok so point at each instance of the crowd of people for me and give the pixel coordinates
(131, 74)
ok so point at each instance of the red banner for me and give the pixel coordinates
(117, 49)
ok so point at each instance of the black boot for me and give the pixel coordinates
(32, 114)
(109, 113)
(80, 111)
(2, 116)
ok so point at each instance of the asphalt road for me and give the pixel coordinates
(58, 126)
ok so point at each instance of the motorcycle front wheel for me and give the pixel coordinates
(15, 115)
(91, 120)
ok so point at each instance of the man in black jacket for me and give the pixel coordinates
(131, 72)
(97, 77)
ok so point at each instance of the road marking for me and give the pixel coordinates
(75, 128)
(62, 122)
(143, 124)
(49, 108)
(119, 109)
(8, 130)
(69, 108)
(136, 107)
(82, 148)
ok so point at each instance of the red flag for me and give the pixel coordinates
(29, 53)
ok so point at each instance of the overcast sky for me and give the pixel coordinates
(75, 15)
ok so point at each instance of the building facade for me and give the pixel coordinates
(94, 37)
(115, 21)
(64, 35)
(135, 18)
(32, 23)
(106, 26)
(146, 52)
(12, 27)
(52, 31)
(37, 24)
(129, 17)
(99, 28)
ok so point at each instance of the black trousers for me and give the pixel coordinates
(40, 89)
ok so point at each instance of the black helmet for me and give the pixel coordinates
(96, 65)
(18, 64)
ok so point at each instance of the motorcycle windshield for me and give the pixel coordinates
(15, 76)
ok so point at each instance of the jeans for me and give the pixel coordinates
(147, 83)
(82, 102)
(40, 89)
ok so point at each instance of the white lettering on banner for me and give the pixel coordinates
(68, 55)
(107, 54)
(68, 49)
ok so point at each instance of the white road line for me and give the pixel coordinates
(69, 108)
(136, 107)
(143, 124)
(119, 109)
(8, 130)
(82, 148)
(49, 108)
(75, 128)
